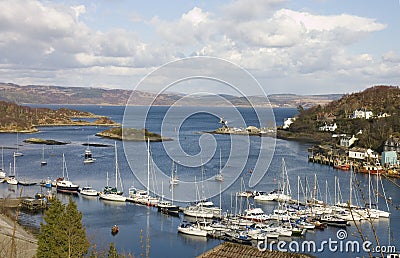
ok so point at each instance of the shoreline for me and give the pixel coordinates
(35, 130)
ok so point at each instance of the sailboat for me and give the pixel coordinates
(174, 177)
(219, 177)
(18, 153)
(203, 209)
(63, 184)
(143, 196)
(88, 155)
(373, 207)
(112, 193)
(2, 171)
(11, 180)
(167, 207)
(43, 162)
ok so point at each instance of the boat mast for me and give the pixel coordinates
(148, 164)
(107, 179)
(369, 189)
(116, 165)
(220, 201)
(377, 192)
(335, 193)
(220, 162)
(2, 158)
(63, 166)
(298, 191)
(15, 174)
(172, 194)
(351, 187)
(326, 192)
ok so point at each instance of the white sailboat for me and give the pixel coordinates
(203, 209)
(374, 208)
(43, 162)
(88, 155)
(113, 194)
(167, 207)
(243, 192)
(2, 171)
(219, 177)
(174, 176)
(11, 180)
(143, 196)
(17, 153)
(191, 229)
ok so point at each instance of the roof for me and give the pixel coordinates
(228, 249)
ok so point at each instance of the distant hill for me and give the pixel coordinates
(39, 94)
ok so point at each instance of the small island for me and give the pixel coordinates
(44, 141)
(132, 134)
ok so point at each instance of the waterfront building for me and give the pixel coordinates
(361, 153)
(392, 144)
(389, 158)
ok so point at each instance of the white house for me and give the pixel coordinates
(287, 122)
(347, 141)
(328, 128)
(361, 114)
(361, 153)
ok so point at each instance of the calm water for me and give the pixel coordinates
(140, 225)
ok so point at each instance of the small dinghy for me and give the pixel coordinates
(114, 230)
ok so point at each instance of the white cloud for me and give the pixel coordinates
(47, 41)
(240, 10)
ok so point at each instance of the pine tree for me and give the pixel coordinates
(112, 252)
(76, 243)
(63, 234)
(49, 238)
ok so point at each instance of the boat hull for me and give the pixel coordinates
(112, 197)
(70, 190)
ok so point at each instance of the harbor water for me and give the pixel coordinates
(143, 230)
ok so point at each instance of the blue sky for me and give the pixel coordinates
(300, 47)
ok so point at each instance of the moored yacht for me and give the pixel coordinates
(255, 214)
(63, 184)
(88, 191)
(191, 229)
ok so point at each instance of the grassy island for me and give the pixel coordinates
(44, 141)
(131, 134)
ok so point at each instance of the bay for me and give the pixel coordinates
(142, 229)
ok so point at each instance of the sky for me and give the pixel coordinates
(297, 47)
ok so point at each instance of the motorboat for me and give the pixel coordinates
(255, 214)
(88, 191)
(167, 207)
(191, 229)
